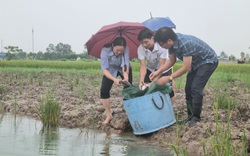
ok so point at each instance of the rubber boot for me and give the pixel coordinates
(197, 108)
(189, 108)
(189, 112)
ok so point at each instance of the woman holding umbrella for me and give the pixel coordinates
(114, 63)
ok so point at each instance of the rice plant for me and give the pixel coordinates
(220, 140)
(15, 105)
(41, 80)
(224, 100)
(1, 108)
(49, 110)
(20, 88)
(221, 143)
(3, 89)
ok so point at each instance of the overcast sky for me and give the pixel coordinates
(223, 24)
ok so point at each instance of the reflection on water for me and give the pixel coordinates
(48, 141)
(25, 136)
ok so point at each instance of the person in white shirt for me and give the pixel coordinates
(152, 56)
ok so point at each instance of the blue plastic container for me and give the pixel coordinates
(149, 113)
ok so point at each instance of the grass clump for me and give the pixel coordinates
(49, 110)
(224, 101)
(221, 141)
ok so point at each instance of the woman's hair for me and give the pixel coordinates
(118, 41)
(145, 34)
(164, 34)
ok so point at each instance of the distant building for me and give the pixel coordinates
(2, 55)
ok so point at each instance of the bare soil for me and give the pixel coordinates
(78, 95)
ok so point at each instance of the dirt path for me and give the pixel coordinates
(78, 95)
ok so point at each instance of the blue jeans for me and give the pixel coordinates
(197, 80)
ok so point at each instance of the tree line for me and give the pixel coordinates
(60, 51)
(225, 57)
(63, 51)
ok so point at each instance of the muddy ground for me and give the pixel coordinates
(78, 95)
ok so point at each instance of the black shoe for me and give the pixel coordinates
(193, 121)
(182, 122)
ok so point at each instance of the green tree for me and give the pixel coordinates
(13, 49)
(242, 55)
(247, 56)
(223, 56)
(12, 52)
(50, 48)
(22, 55)
(31, 56)
(63, 49)
(232, 58)
(40, 56)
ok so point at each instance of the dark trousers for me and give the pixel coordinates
(107, 84)
(197, 80)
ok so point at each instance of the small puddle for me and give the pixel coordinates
(24, 136)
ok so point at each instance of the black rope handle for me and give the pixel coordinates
(162, 101)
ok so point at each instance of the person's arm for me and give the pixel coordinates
(143, 70)
(125, 73)
(161, 64)
(187, 61)
(126, 64)
(143, 67)
(168, 64)
(105, 66)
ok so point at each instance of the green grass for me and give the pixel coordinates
(226, 72)
(223, 79)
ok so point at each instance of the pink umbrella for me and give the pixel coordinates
(128, 30)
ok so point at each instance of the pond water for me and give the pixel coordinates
(24, 136)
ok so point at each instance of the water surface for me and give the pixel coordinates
(24, 136)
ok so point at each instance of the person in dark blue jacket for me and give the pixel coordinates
(199, 60)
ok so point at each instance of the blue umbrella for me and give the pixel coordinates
(154, 23)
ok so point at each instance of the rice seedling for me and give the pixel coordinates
(15, 106)
(49, 110)
(221, 143)
(71, 86)
(220, 140)
(224, 100)
(1, 108)
(76, 81)
(20, 87)
(244, 143)
(31, 80)
(41, 80)
(81, 91)
(179, 82)
(3, 89)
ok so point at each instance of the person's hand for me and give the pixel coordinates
(125, 79)
(161, 81)
(125, 83)
(144, 86)
(141, 84)
(117, 82)
(153, 75)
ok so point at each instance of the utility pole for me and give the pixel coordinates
(32, 40)
(1, 45)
